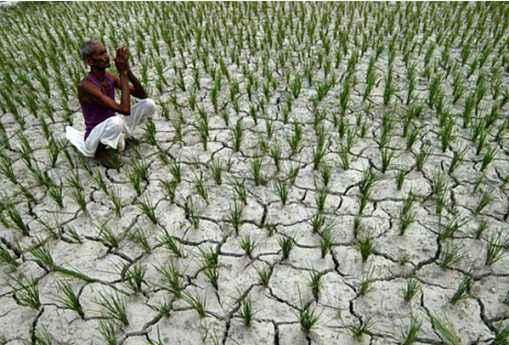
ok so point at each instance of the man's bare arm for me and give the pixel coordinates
(138, 91)
(121, 62)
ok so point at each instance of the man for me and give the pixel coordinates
(96, 94)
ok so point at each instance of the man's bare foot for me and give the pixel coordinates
(131, 141)
(108, 158)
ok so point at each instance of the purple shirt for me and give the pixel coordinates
(93, 112)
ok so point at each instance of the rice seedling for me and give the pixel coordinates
(235, 216)
(256, 171)
(135, 277)
(413, 112)
(164, 309)
(318, 154)
(201, 188)
(458, 87)
(264, 276)
(365, 186)
(282, 190)
(484, 201)
(139, 236)
(488, 157)
(286, 244)
(41, 176)
(449, 255)
(483, 226)
(170, 188)
(344, 96)
(388, 87)
(7, 258)
(295, 140)
(386, 157)
(296, 86)
(315, 283)
(68, 298)
(468, 110)
(344, 157)
(413, 330)
(275, 153)
(55, 192)
(246, 311)
(26, 292)
(318, 221)
(262, 145)
(150, 132)
(192, 213)
(412, 138)
(170, 243)
(366, 247)
(446, 133)
(146, 206)
(445, 330)
(73, 235)
(237, 134)
(107, 237)
(172, 278)
(203, 131)
(456, 160)
(197, 303)
(217, 168)
(439, 188)
(54, 148)
(386, 130)
(463, 289)
(494, 249)
(176, 171)
(116, 201)
(400, 178)
(43, 258)
(326, 241)
(108, 330)
(370, 78)
(42, 337)
(363, 327)
(293, 172)
(434, 91)
(6, 168)
(99, 180)
(16, 219)
(502, 336)
(286, 111)
(411, 288)
(308, 318)
(449, 230)
(325, 173)
(320, 199)
(247, 244)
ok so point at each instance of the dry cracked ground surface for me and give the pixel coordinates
(314, 174)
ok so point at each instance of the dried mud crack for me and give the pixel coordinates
(315, 173)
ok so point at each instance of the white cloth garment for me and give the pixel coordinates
(112, 131)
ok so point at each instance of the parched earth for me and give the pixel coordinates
(315, 173)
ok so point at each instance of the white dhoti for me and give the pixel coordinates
(112, 131)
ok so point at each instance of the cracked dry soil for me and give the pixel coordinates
(297, 185)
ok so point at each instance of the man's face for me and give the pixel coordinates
(99, 57)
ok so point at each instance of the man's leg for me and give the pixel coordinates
(109, 132)
(144, 108)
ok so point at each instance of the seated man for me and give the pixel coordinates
(96, 94)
